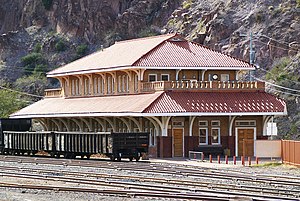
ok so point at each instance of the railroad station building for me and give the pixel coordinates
(187, 96)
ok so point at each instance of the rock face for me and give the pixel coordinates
(89, 19)
(219, 25)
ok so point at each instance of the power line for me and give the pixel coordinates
(284, 92)
(272, 39)
(275, 85)
(295, 50)
(32, 95)
(273, 74)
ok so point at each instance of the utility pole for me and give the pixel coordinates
(251, 52)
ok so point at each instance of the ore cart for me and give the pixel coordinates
(72, 144)
(12, 125)
(30, 143)
(129, 145)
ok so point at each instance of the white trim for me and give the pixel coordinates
(245, 121)
(206, 140)
(139, 114)
(215, 121)
(191, 123)
(206, 123)
(174, 144)
(236, 139)
(109, 69)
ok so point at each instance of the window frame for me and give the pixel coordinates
(206, 136)
(219, 135)
(152, 75)
(227, 77)
(161, 77)
(215, 121)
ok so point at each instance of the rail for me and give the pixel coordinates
(201, 85)
(53, 93)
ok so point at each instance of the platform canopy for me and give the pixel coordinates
(169, 103)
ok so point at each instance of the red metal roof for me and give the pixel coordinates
(170, 50)
(210, 102)
(172, 53)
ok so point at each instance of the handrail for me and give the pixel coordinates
(214, 85)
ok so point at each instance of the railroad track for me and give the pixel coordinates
(169, 179)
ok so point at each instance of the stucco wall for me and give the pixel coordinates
(268, 148)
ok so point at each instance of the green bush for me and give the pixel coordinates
(37, 48)
(9, 103)
(47, 4)
(33, 84)
(81, 50)
(278, 72)
(298, 3)
(60, 46)
(31, 61)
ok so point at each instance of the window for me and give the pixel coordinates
(119, 83)
(136, 82)
(165, 77)
(177, 123)
(152, 77)
(215, 123)
(203, 123)
(203, 136)
(245, 123)
(215, 136)
(224, 77)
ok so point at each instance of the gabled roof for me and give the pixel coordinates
(171, 103)
(123, 53)
(170, 50)
(181, 53)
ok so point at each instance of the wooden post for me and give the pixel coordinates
(234, 160)
(210, 158)
(226, 159)
(249, 160)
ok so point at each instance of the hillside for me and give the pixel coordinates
(40, 35)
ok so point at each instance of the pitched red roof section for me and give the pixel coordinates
(211, 102)
(182, 53)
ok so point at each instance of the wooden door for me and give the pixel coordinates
(246, 142)
(178, 142)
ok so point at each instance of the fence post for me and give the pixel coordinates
(234, 160)
(226, 159)
(210, 158)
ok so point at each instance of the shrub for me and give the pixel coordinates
(60, 46)
(9, 103)
(31, 61)
(37, 48)
(298, 3)
(47, 4)
(81, 50)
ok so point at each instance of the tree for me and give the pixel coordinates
(9, 103)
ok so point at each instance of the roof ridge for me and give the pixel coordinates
(146, 38)
(171, 36)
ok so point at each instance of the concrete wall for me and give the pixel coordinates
(268, 148)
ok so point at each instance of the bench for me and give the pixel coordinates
(210, 149)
